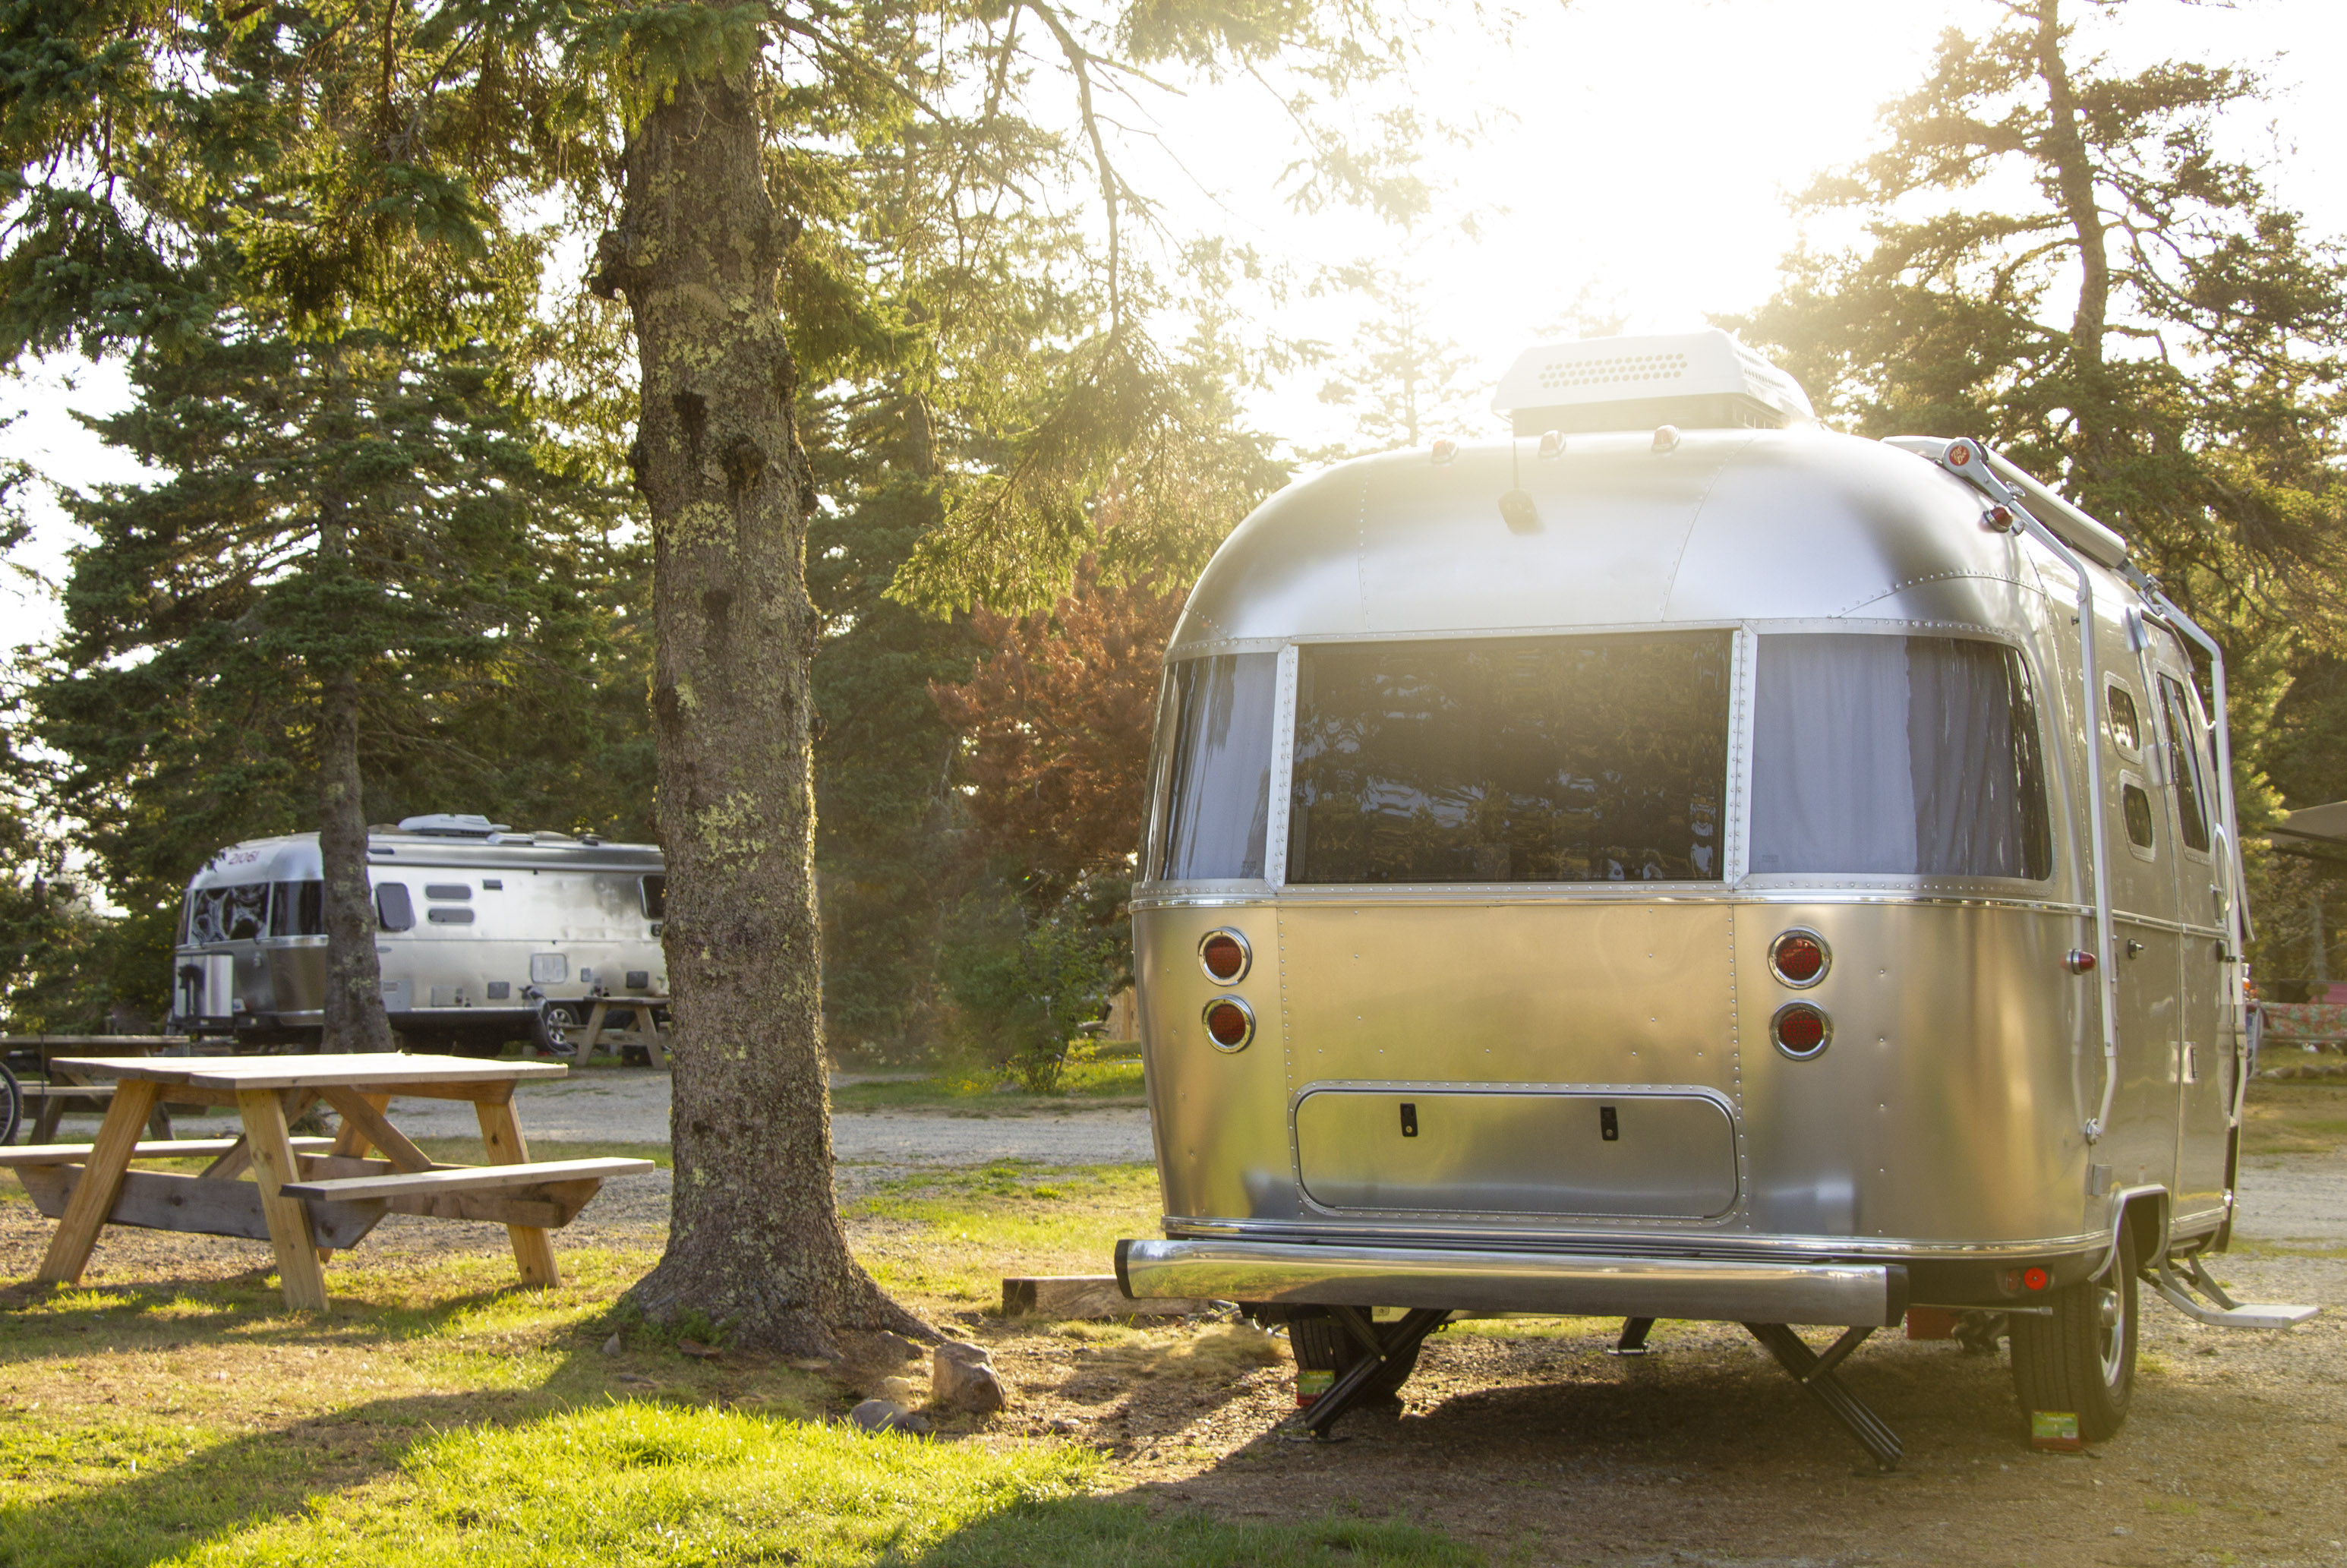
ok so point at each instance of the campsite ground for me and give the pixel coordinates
(167, 1409)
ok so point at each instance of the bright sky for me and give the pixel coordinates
(1654, 143)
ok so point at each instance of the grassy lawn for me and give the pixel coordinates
(1111, 1082)
(439, 1415)
(2294, 1116)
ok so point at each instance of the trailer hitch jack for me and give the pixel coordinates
(1815, 1373)
(1383, 1346)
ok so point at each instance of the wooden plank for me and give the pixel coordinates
(165, 1200)
(1084, 1296)
(365, 1122)
(501, 1139)
(148, 1149)
(273, 1166)
(350, 1138)
(391, 1072)
(470, 1178)
(103, 1092)
(110, 1156)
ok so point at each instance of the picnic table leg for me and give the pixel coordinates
(501, 1139)
(101, 1182)
(350, 1141)
(289, 1218)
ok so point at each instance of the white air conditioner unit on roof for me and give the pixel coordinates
(1695, 380)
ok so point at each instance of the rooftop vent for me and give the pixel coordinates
(1696, 380)
(449, 824)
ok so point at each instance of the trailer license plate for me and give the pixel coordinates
(1312, 1382)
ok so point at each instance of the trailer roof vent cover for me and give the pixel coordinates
(449, 824)
(1696, 380)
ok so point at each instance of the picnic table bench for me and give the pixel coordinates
(57, 1093)
(308, 1196)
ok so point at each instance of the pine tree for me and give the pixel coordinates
(349, 542)
(2060, 260)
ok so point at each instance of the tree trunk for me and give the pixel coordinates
(355, 1015)
(754, 1237)
(2074, 179)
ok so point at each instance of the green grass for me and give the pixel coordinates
(2294, 1116)
(439, 1416)
(1108, 1082)
(955, 1234)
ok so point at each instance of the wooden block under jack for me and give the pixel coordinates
(1085, 1296)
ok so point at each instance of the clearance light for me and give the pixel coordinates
(2078, 961)
(2035, 1279)
(1230, 1023)
(1552, 444)
(1667, 438)
(1800, 1030)
(1226, 956)
(1800, 959)
(1445, 450)
(1999, 519)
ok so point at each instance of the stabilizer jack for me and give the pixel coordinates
(1815, 1373)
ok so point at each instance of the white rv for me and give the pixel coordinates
(485, 936)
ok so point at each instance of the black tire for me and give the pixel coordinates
(1320, 1344)
(2078, 1359)
(546, 1029)
(11, 1104)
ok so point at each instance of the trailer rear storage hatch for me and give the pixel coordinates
(1668, 1156)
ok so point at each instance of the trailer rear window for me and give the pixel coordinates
(1905, 756)
(1557, 759)
(1218, 732)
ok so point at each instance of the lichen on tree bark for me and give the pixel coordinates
(755, 1242)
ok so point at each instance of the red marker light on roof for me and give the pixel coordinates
(2078, 961)
(1552, 444)
(2000, 518)
(1445, 450)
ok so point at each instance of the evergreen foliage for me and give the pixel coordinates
(2060, 259)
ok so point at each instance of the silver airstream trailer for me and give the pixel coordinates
(1683, 863)
(484, 934)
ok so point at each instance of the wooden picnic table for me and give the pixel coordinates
(643, 1031)
(306, 1195)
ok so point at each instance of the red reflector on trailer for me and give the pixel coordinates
(1229, 1024)
(1225, 955)
(1800, 1030)
(1798, 957)
(2035, 1279)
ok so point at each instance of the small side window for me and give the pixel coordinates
(2127, 729)
(2193, 784)
(393, 911)
(450, 915)
(655, 891)
(2138, 805)
(447, 892)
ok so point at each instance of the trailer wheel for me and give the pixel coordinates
(1321, 1345)
(548, 1029)
(11, 1104)
(2082, 1358)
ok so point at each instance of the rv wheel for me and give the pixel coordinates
(2082, 1357)
(547, 1030)
(1321, 1345)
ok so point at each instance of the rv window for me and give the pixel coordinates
(2192, 786)
(1218, 789)
(235, 914)
(2137, 806)
(1559, 759)
(393, 909)
(1906, 756)
(450, 915)
(655, 894)
(297, 909)
(2124, 729)
(447, 892)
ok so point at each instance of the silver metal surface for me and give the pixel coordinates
(1471, 1281)
(553, 918)
(1568, 1150)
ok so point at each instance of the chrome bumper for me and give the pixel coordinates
(1570, 1283)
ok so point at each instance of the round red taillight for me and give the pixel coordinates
(1800, 1030)
(2035, 1279)
(1800, 959)
(1226, 956)
(1230, 1023)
